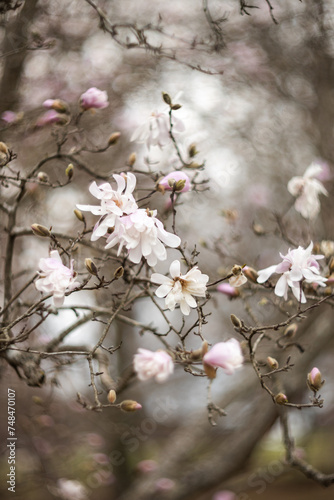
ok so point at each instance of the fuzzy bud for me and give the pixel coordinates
(111, 396)
(132, 159)
(258, 229)
(199, 353)
(4, 154)
(91, 266)
(175, 107)
(119, 272)
(128, 405)
(69, 170)
(113, 139)
(236, 322)
(272, 363)
(210, 370)
(314, 380)
(42, 177)
(192, 150)
(331, 265)
(79, 215)
(194, 164)
(290, 330)
(281, 399)
(251, 274)
(166, 97)
(40, 230)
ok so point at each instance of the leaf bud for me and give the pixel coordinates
(314, 380)
(281, 399)
(175, 107)
(59, 106)
(258, 229)
(192, 150)
(111, 396)
(79, 215)
(331, 265)
(251, 274)
(4, 154)
(210, 370)
(290, 330)
(194, 164)
(235, 321)
(91, 266)
(166, 97)
(199, 353)
(132, 159)
(42, 177)
(69, 170)
(272, 363)
(113, 139)
(129, 405)
(119, 272)
(40, 230)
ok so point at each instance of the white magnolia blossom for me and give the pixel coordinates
(158, 365)
(114, 203)
(56, 278)
(69, 489)
(143, 235)
(181, 288)
(307, 190)
(298, 266)
(155, 132)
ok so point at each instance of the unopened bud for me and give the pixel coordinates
(192, 150)
(199, 353)
(175, 107)
(40, 230)
(272, 363)
(236, 270)
(60, 106)
(42, 177)
(128, 405)
(210, 370)
(113, 139)
(290, 330)
(4, 154)
(236, 321)
(314, 380)
(331, 265)
(79, 215)
(69, 170)
(166, 97)
(179, 185)
(91, 266)
(281, 399)
(111, 396)
(3, 148)
(258, 229)
(119, 272)
(251, 274)
(132, 159)
(194, 164)
(37, 400)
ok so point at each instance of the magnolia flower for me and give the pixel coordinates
(49, 117)
(307, 190)
(224, 495)
(155, 132)
(114, 204)
(56, 278)
(56, 104)
(226, 355)
(314, 379)
(148, 364)
(143, 235)
(298, 265)
(71, 490)
(11, 117)
(94, 98)
(179, 179)
(181, 288)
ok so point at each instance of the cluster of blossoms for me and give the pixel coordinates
(124, 224)
(158, 365)
(307, 190)
(56, 278)
(298, 266)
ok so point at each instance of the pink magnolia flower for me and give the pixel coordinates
(173, 178)
(314, 379)
(146, 466)
(224, 495)
(94, 98)
(155, 132)
(228, 290)
(114, 204)
(49, 117)
(143, 235)
(148, 364)
(181, 288)
(226, 355)
(11, 117)
(307, 190)
(164, 484)
(56, 278)
(298, 266)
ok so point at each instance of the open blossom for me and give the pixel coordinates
(148, 364)
(298, 266)
(56, 278)
(143, 235)
(181, 288)
(155, 132)
(94, 98)
(307, 190)
(175, 178)
(114, 204)
(226, 355)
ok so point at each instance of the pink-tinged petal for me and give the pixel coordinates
(227, 289)
(264, 274)
(175, 269)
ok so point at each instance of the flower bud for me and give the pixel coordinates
(210, 370)
(42, 177)
(290, 330)
(194, 164)
(69, 170)
(314, 380)
(119, 272)
(176, 185)
(199, 353)
(228, 290)
(258, 229)
(129, 405)
(4, 154)
(281, 399)
(251, 274)
(79, 215)
(113, 139)
(272, 363)
(40, 230)
(192, 150)
(175, 107)
(91, 266)
(331, 265)
(111, 396)
(166, 97)
(236, 321)
(132, 159)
